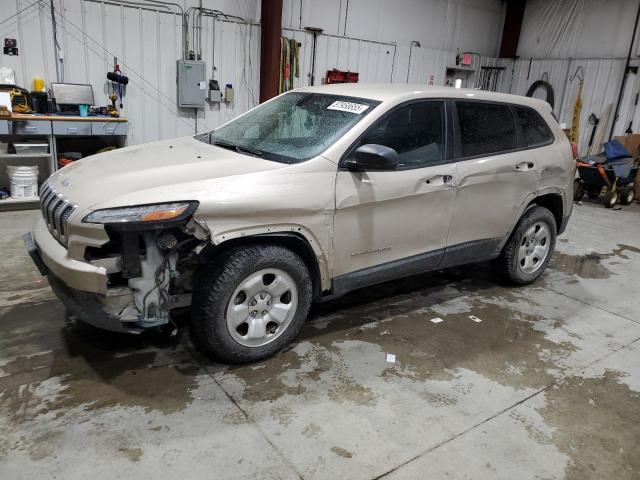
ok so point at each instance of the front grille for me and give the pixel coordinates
(56, 210)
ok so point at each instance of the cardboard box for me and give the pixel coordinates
(632, 143)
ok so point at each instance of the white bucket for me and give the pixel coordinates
(23, 181)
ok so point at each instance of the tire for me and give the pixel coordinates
(627, 194)
(610, 199)
(509, 264)
(548, 88)
(246, 283)
(578, 190)
(594, 191)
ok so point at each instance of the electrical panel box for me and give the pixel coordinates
(192, 87)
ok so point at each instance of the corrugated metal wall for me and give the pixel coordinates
(425, 64)
(374, 61)
(147, 42)
(602, 79)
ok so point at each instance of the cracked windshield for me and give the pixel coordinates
(294, 127)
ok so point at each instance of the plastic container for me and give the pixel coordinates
(23, 181)
(31, 148)
(38, 84)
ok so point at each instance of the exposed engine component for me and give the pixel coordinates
(151, 290)
(150, 272)
(168, 241)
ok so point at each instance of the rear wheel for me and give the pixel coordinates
(250, 303)
(610, 199)
(627, 194)
(528, 251)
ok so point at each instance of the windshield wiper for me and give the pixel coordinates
(254, 151)
(238, 148)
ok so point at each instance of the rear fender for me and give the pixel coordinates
(528, 201)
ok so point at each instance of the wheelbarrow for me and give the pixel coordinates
(617, 176)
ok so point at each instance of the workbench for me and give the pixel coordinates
(56, 131)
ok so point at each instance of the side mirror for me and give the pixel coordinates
(373, 157)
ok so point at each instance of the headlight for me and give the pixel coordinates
(144, 213)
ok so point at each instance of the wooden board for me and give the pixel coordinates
(598, 138)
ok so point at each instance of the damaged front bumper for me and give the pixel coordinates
(94, 308)
(87, 294)
(76, 274)
(102, 311)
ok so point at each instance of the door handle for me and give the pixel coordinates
(524, 166)
(443, 178)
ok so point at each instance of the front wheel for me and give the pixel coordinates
(528, 250)
(610, 199)
(250, 303)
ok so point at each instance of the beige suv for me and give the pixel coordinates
(315, 193)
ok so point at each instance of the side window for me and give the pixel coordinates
(485, 128)
(535, 130)
(415, 131)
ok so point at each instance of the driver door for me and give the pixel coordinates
(389, 224)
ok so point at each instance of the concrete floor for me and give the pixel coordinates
(545, 386)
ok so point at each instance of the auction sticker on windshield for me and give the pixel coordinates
(350, 107)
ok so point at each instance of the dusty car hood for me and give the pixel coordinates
(170, 163)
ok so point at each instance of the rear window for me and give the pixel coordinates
(486, 128)
(535, 130)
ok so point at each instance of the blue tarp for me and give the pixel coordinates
(618, 158)
(614, 150)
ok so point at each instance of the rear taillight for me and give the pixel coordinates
(574, 150)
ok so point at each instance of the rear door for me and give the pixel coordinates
(396, 219)
(496, 173)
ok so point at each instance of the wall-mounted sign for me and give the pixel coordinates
(10, 46)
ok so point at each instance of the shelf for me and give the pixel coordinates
(19, 203)
(18, 156)
(461, 69)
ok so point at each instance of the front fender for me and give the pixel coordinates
(319, 248)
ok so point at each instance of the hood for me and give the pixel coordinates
(168, 163)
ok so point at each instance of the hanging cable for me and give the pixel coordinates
(21, 11)
(56, 46)
(579, 74)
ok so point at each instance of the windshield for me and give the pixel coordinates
(294, 127)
